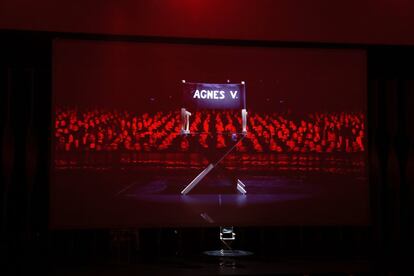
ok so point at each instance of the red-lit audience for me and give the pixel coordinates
(103, 130)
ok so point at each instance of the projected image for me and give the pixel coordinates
(199, 135)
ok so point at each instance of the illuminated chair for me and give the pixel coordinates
(185, 130)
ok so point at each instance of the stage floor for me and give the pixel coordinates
(129, 198)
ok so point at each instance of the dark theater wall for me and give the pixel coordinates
(353, 21)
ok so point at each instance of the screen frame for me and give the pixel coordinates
(209, 42)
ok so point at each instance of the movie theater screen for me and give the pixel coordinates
(169, 134)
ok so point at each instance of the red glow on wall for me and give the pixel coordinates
(373, 21)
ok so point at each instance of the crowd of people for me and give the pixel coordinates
(111, 130)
